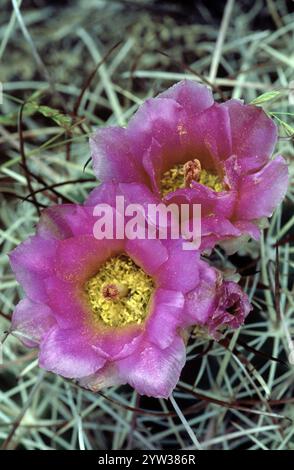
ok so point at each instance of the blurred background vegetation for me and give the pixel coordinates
(68, 67)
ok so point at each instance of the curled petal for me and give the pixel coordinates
(261, 192)
(216, 304)
(232, 309)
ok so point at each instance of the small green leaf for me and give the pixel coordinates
(58, 117)
(268, 96)
(289, 130)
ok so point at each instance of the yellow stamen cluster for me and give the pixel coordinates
(211, 180)
(174, 178)
(129, 308)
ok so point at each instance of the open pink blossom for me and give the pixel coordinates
(189, 149)
(109, 312)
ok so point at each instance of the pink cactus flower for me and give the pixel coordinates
(189, 149)
(109, 312)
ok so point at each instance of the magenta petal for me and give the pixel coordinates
(80, 257)
(261, 192)
(248, 227)
(32, 262)
(112, 157)
(64, 221)
(201, 302)
(105, 193)
(233, 307)
(232, 173)
(133, 193)
(31, 321)
(254, 134)
(69, 353)
(138, 194)
(216, 229)
(216, 303)
(65, 301)
(154, 163)
(152, 371)
(115, 344)
(219, 226)
(180, 271)
(211, 136)
(165, 317)
(148, 254)
(34, 254)
(212, 202)
(192, 96)
(159, 119)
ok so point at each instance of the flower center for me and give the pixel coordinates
(234, 308)
(181, 176)
(120, 292)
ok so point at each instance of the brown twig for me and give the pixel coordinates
(23, 157)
